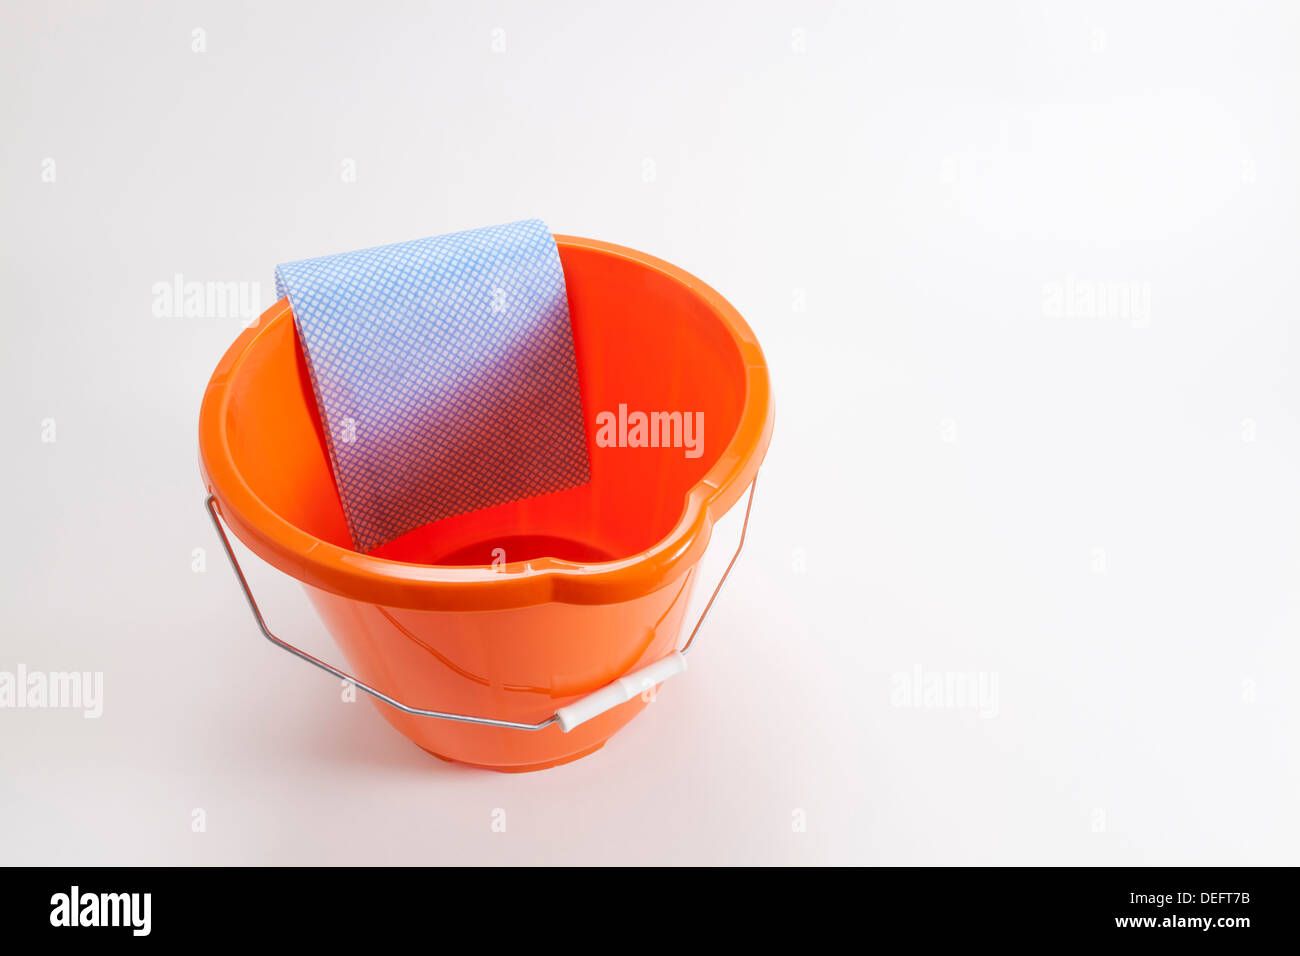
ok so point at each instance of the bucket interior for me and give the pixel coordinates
(644, 342)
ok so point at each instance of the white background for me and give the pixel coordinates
(1100, 513)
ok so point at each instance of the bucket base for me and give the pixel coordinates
(523, 768)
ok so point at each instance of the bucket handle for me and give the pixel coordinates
(580, 711)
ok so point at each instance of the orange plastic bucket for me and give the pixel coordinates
(512, 612)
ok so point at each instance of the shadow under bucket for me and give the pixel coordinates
(508, 637)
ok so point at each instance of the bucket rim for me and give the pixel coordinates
(383, 581)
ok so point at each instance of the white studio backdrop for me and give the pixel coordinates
(1021, 580)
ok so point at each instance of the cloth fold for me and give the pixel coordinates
(444, 373)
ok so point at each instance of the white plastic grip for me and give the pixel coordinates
(623, 689)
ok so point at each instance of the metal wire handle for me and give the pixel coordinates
(466, 718)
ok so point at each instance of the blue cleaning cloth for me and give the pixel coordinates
(444, 374)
